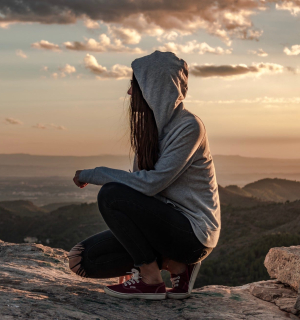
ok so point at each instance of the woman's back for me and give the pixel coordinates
(195, 190)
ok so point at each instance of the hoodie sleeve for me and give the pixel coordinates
(174, 160)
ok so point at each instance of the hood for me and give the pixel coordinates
(163, 79)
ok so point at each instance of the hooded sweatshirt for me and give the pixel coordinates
(184, 175)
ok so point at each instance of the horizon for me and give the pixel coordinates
(123, 154)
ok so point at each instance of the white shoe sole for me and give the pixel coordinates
(191, 285)
(149, 296)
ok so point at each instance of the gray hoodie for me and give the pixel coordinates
(184, 175)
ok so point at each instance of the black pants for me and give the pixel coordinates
(143, 229)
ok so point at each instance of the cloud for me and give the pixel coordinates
(264, 100)
(233, 71)
(39, 126)
(44, 44)
(117, 71)
(293, 70)
(68, 69)
(21, 54)
(294, 51)
(170, 36)
(80, 76)
(63, 71)
(91, 24)
(126, 35)
(259, 52)
(56, 75)
(59, 127)
(6, 25)
(193, 47)
(104, 45)
(42, 126)
(223, 18)
(12, 121)
(291, 6)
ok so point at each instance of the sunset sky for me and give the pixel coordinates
(65, 70)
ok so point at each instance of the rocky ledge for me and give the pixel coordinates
(36, 284)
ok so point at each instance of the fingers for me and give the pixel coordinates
(83, 185)
(77, 182)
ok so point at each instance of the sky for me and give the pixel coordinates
(65, 71)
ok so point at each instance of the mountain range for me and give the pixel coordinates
(261, 215)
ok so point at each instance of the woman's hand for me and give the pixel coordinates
(121, 279)
(77, 182)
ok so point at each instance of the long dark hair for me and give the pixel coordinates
(143, 129)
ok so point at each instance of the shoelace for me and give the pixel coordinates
(175, 281)
(135, 277)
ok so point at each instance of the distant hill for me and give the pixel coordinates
(22, 208)
(238, 190)
(53, 206)
(61, 228)
(278, 190)
(228, 197)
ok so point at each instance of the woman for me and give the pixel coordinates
(166, 213)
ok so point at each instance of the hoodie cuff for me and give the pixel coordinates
(86, 175)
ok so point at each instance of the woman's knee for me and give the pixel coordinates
(108, 191)
(75, 260)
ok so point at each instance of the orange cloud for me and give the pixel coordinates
(103, 45)
(44, 44)
(117, 71)
(12, 121)
(193, 47)
(21, 54)
(234, 71)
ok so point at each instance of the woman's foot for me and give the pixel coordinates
(136, 288)
(183, 283)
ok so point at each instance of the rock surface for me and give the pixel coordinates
(275, 291)
(36, 284)
(283, 263)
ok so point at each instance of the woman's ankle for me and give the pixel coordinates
(151, 279)
(150, 273)
(174, 266)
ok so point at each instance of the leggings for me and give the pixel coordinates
(142, 229)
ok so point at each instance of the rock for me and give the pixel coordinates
(297, 304)
(284, 264)
(275, 291)
(36, 283)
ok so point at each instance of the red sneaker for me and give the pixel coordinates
(135, 288)
(183, 283)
